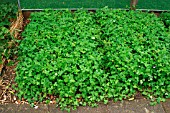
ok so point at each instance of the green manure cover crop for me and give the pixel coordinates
(84, 58)
(166, 19)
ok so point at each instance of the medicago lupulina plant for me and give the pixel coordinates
(165, 16)
(84, 57)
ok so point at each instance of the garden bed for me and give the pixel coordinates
(82, 58)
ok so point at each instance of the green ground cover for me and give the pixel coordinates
(83, 58)
(7, 13)
(166, 19)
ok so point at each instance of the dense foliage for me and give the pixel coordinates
(166, 18)
(7, 14)
(84, 57)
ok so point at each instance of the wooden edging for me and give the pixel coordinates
(93, 9)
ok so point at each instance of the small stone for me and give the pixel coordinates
(36, 107)
(16, 102)
(146, 110)
(15, 98)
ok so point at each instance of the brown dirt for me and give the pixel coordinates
(7, 93)
(7, 79)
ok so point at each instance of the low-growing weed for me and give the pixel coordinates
(7, 14)
(165, 18)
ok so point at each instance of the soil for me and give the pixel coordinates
(6, 82)
(7, 93)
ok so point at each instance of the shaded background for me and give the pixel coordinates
(41, 4)
(8, 1)
(154, 4)
(28, 4)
